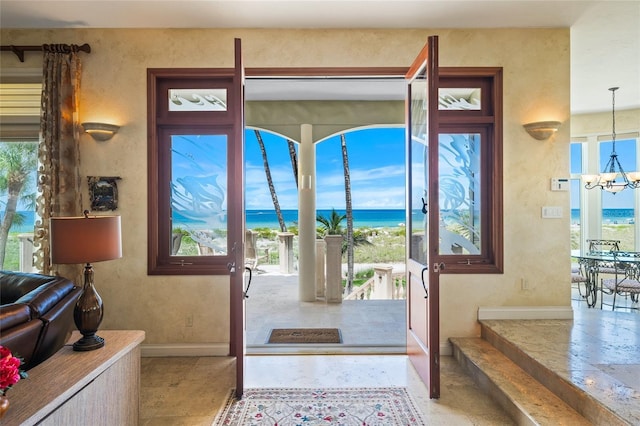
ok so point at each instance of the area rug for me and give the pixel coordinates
(305, 335)
(328, 406)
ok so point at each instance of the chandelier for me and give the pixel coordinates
(607, 179)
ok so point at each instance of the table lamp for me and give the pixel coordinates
(85, 240)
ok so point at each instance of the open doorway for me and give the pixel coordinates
(368, 115)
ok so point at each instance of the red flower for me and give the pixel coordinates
(10, 372)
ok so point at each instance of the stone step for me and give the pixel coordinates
(525, 399)
(592, 409)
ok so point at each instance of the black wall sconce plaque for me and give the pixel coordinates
(103, 192)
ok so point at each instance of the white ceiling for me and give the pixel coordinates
(605, 35)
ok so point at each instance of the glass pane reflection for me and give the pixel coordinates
(458, 98)
(199, 195)
(419, 169)
(459, 197)
(197, 99)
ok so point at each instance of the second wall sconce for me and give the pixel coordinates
(542, 130)
(100, 131)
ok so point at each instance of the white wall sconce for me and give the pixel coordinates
(542, 130)
(100, 131)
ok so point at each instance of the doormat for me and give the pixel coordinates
(305, 335)
(332, 406)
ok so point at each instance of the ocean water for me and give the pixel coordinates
(27, 225)
(374, 218)
(609, 216)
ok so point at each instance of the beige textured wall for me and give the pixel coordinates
(536, 87)
(600, 123)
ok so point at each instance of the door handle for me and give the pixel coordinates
(426, 292)
(246, 292)
(438, 267)
(231, 266)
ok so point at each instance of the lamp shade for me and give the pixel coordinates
(85, 239)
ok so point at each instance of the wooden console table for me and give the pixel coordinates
(100, 387)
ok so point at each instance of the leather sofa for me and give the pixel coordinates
(36, 314)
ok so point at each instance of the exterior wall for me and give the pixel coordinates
(536, 87)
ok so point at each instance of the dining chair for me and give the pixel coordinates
(603, 245)
(599, 246)
(626, 281)
(578, 278)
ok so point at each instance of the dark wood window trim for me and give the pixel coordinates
(488, 122)
(161, 125)
(490, 117)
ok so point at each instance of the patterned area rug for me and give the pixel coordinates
(329, 406)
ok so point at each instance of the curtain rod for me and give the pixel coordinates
(19, 50)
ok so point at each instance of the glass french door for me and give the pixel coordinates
(236, 267)
(423, 263)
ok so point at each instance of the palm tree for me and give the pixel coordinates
(349, 213)
(331, 225)
(294, 159)
(272, 189)
(17, 163)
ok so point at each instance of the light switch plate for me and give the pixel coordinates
(551, 212)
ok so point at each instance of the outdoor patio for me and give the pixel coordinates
(367, 326)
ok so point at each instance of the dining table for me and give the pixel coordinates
(596, 263)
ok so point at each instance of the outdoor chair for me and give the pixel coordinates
(251, 256)
(626, 281)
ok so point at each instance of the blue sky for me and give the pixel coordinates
(376, 166)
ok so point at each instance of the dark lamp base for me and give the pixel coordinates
(88, 343)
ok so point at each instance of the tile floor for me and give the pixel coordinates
(191, 391)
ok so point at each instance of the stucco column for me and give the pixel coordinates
(285, 251)
(383, 288)
(334, 268)
(307, 215)
(26, 253)
(321, 280)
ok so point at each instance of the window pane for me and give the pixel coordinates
(456, 98)
(18, 168)
(618, 211)
(419, 169)
(576, 230)
(197, 99)
(459, 176)
(576, 158)
(199, 195)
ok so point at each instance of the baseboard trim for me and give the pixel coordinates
(446, 349)
(184, 349)
(222, 349)
(524, 312)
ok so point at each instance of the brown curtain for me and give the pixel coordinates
(59, 185)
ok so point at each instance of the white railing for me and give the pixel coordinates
(390, 286)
